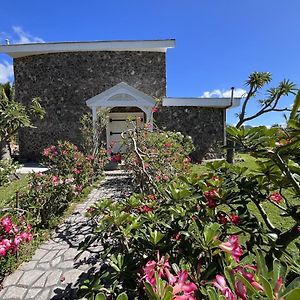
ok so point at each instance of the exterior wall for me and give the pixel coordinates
(64, 81)
(204, 125)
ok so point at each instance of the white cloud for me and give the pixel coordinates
(6, 72)
(24, 37)
(223, 93)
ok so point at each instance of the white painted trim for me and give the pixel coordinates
(103, 99)
(202, 102)
(20, 50)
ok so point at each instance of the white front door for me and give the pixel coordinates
(118, 123)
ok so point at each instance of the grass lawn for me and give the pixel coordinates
(8, 192)
(282, 223)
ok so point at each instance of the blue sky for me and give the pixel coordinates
(219, 42)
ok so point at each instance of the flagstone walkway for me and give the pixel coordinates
(53, 272)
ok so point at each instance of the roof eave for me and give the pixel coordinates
(202, 102)
(21, 50)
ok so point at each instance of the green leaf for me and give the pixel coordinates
(267, 287)
(122, 296)
(156, 236)
(212, 294)
(296, 106)
(149, 291)
(251, 290)
(229, 277)
(100, 296)
(293, 285)
(293, 295)
(261, 263)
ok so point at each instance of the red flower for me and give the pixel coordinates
(276, 197)
(235, 219)
(154, 109)
(222, 219)
(146, 209)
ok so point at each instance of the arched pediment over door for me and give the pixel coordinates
(120, 96)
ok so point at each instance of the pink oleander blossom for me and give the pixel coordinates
(182, 288)
(232, 247)
(7, 224)
(276, 197)
(220, 284)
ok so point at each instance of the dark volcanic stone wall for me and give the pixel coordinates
(204, 125)
(64, 81)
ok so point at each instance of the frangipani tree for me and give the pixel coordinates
(270, 103)
(13, 116)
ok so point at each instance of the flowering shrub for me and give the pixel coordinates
(14, 231)
(156, 156)
(65, 159)
(212, 230)
(48, 195)
(7, 168)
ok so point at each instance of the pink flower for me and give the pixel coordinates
(76, 171)
(240, 290)
(168, 145)
(235, 219)
(55, 180)
(7, 224)
(211, 196)
(250, 276)
(184, 287)
(232, 247)
(152, 266)
(221, 285)
(146, 209)
(276, 197)
(46, 152)
(154, 109)
(278, 285)
(2, 250)
(90, 210)
(6, 243)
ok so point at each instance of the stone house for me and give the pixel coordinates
(126, 77)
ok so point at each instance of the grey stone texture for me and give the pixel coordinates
(54, 271)
(64, 81)
(206, 126)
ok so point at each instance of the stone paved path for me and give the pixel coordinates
(53, 272)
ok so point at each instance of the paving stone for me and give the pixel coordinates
(13, 278)
(54, 278)
(70, 253)
(39, 253)
(31, 294)
(28, 265)
(42, 281)
(67, 264)
(29, 277)
(44, 295)
(71, 276)
(44, 266)
(15, 293)
(55, 261)
(53, 266)
(49, 256)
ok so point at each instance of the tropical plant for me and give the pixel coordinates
(13, 116)
(255, 83)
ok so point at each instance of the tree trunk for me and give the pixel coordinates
(230, 152)
(5, 150)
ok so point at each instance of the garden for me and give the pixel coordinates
(188, 230)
